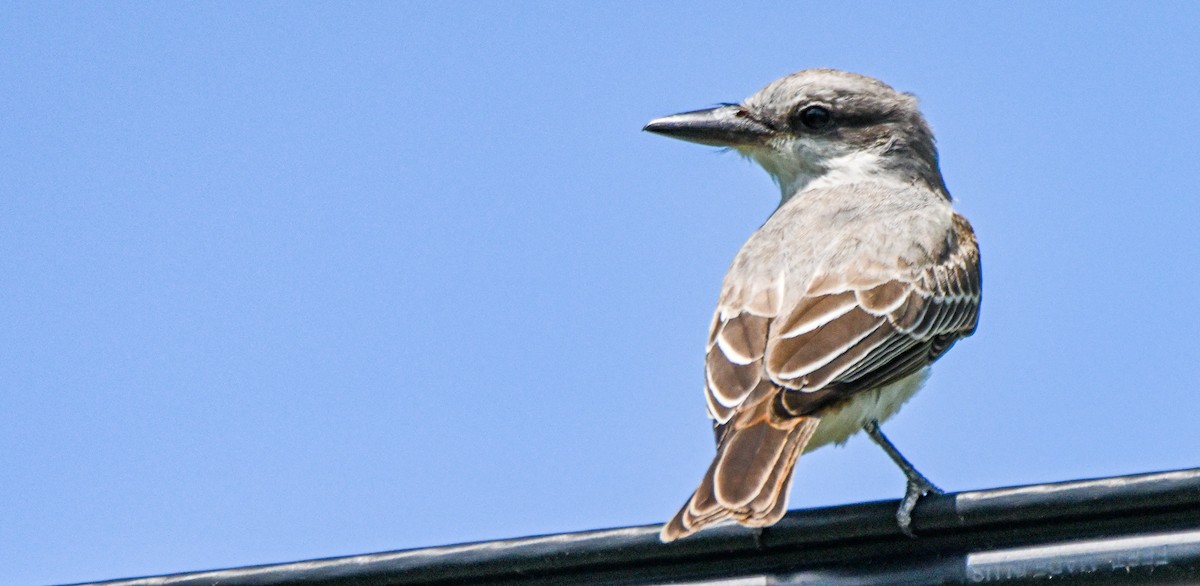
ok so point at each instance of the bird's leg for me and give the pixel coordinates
(918, 485)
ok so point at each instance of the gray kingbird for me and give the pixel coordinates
(834, 309)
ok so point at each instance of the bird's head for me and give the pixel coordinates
(820, 127)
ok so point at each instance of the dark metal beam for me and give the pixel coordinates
(1129, 529)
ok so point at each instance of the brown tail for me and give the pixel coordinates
(750, 477)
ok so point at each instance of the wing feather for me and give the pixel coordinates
(864, 335)
(792, 358)
(814, 312)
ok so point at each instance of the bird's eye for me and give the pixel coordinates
(812, 118)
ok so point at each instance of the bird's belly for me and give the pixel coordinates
(847, 418)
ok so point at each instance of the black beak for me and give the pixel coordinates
(727, 126)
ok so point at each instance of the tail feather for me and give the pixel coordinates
(749, 479)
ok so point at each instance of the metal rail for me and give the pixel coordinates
(1135, 529)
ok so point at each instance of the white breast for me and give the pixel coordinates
(846, 419)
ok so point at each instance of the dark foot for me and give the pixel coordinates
(918, 485)
(917, 488)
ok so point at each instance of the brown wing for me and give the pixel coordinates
(770, 367)
(844, 337)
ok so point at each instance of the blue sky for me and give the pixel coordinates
(284, 281)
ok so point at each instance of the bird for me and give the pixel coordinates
(833, 310)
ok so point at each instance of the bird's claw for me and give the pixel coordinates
(918, 485)
(917, 488)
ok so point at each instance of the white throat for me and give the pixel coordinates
(795, 177)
